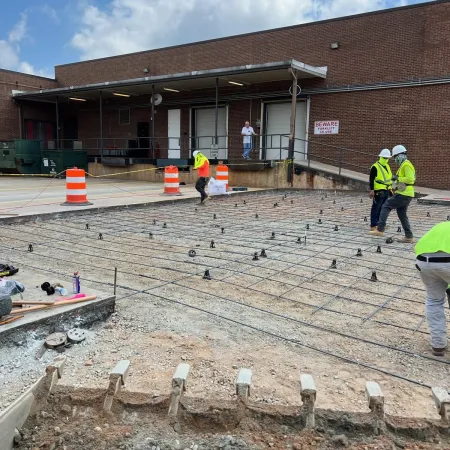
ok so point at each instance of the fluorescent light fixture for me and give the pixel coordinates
(118, 94)
(236, 83)
(78, 99)
(171, 90)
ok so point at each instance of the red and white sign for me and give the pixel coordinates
(326, 127)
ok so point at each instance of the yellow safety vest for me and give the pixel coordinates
(406, 176)
(435, 240)
(200, 159)
(383, 179)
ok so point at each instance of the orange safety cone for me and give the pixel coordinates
(222, 174)
(171, 181)
(76, 193)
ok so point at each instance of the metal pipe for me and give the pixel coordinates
(21, 121)
(153, 121)
(101, 126)
(290, 177)
(57, 121)
(216, 123)
(115, 280)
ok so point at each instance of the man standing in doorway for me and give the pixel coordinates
(433, 262)
(380, 181)
(404, 193)
(247, 132)
(201, 163)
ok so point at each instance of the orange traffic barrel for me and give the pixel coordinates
(76, 193)
(222, 174)
(171, 181)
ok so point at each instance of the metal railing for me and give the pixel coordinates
(266, 147)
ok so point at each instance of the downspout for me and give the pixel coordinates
(290, 174)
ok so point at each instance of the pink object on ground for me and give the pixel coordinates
(70, 298)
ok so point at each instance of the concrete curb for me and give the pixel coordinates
(78, 212)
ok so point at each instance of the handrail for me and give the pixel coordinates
(144, 147)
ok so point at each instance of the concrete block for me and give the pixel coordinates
(243, 384)
(179, 381)
(375, 399)
(308, 394)
(121, 369)
(374, 394)
(57, 365)
(181, 375)
(442, 401)
(307, 385)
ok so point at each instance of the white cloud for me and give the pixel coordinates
(10, 51)
(51, 13)
(124, 26)
(19, 30)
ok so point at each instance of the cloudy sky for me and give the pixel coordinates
(35, 35)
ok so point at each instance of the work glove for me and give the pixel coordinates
(394, 177)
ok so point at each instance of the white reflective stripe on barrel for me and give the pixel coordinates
(76, 191)
(171, 175)
(222, 174)
(75, 180)
(170, 185)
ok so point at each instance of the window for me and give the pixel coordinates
(124, 116)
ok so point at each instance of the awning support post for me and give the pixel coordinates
(216, 139)
(290, 175)
(101, 127)
(153, 121)
(21, 124)
(57, 121)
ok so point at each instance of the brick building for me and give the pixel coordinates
(384, 76)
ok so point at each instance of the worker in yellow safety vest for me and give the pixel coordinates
(201, 163)
(380, 182)
(433, 262)
(403, 188)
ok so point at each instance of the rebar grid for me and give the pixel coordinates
(283, 285)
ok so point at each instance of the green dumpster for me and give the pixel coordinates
(57, 161)
(20, 156)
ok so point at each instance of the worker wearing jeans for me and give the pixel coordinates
(201, 163)
(433, 262)
(247, 132)
(404, 192)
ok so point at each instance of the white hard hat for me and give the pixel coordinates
(385, 153)
(398, 149)
(195, 153)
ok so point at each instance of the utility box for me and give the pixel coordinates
(20, 156)
(56, 161)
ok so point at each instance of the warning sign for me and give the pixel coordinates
(326, 127)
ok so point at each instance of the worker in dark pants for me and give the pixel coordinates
(433, 262)
(380, 181)
(404, 192)
(201, 164)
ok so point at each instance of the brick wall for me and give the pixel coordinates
(372, 120)
(9, 112)
(387, 45)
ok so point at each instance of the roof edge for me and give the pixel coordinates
(27, 74)
(156, 79)
(427, 3)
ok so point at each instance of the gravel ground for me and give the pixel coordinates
(262, 314)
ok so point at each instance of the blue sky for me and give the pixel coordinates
(36, 35)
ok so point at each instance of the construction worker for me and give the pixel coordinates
(380, 181)
(433, 262)
(403, 194)
(202, 164)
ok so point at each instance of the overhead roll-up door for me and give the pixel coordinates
(205, 119)
(277, 128)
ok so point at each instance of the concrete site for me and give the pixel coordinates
(236, 243)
